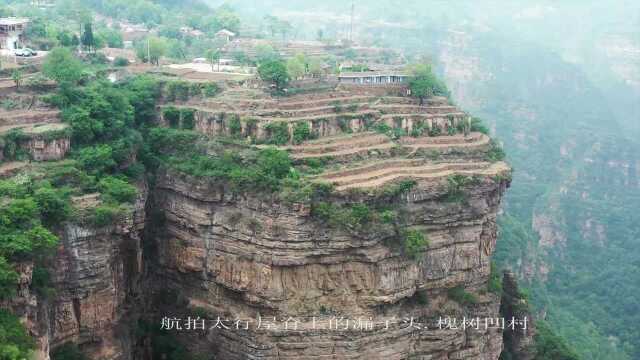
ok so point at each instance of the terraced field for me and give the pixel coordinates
(341, 128)
(379, 173)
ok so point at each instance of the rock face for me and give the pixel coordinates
(96, 276)
(253, 259)
(42, 149)
(298, 287)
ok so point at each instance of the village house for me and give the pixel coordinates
(12, 31)
(225, 35)
(373, 77)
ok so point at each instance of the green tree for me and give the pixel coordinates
(274, 72)
(265, 52)
(8, 279)
(157, 47)
(112, 38)
(97, 160)
(15, 342)
(62, 66)
(17, 77)
(225, 18)
(88, 41)
(296, 67)
(423, 83)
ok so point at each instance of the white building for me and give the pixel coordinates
(12, 32)
(225, 35)
(373, 77)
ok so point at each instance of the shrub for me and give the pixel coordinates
(417, 131)
(435, 131)
(360, 214)
(495, 280)
(382, 128)
(53, 204)
(388, 216)
(15, 342)
(97, 160)
(274, 72)
(117, 190)
(41, 281)
(397, 133)
(495, 153)
(120, 61)
(461, 296)
(235, 126)
(277, 133)
(337, 106)
(210, 89)
(106, 214)
(455, 185)
(399, 188)
(178, 90)
(8, 279)
(477, 125)
(172, 116)
(343, 124)
(301, 132)
(188, 118)
(414, 243)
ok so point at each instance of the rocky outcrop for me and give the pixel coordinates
(250, 258)
(95, 277)
(518, 342)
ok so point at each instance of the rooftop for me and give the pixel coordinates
(371, 73)
(225, 32)
(13, 21)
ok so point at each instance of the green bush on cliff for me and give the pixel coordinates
(115, 189)
(414, 242)
(188, 117)
(235, 126)
(478, 125)
(461, 296)
(26, 207)
(277, 133)
(171, 115)
(15, 342)
(353, 216)
(495, 280)
(301, 132)
(495, 153)
(53, 203)
(178, 90)
(455, 187)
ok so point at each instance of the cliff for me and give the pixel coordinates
(254, 257)
(380, 249)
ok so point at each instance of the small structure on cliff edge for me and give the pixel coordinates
(373, 77)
